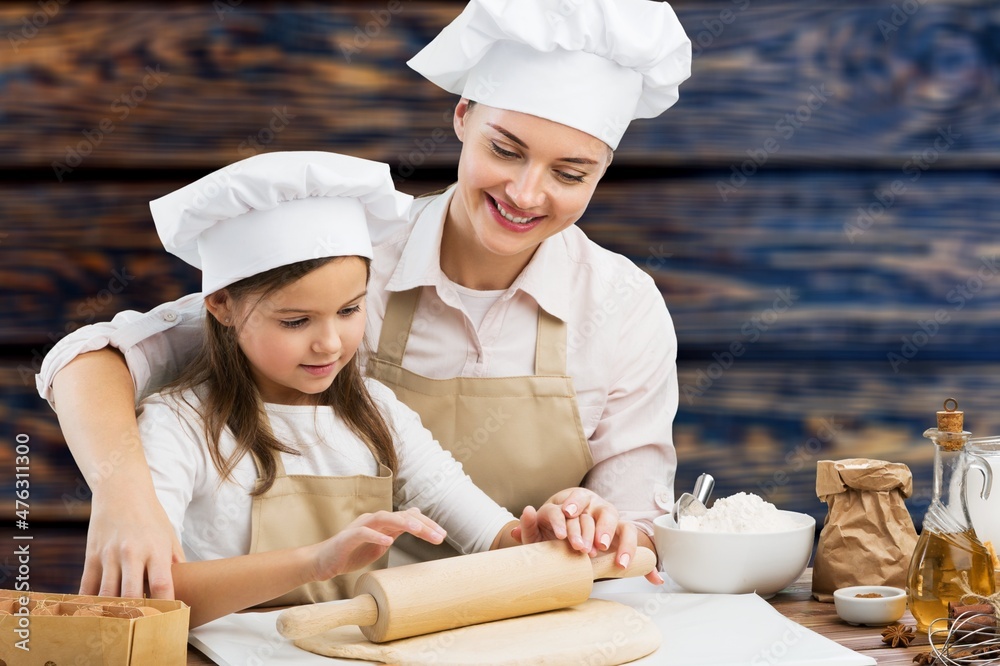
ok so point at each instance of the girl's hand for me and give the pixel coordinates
(589, 522)
(368, 537)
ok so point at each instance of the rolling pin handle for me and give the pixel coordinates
(605, 567)
(305, 621)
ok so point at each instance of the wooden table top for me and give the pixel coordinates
(796, 603)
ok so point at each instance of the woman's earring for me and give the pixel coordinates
(226, 322)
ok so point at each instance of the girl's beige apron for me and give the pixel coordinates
(300, 510)
(519, 438)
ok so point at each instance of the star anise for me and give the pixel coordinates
(925, 659)
(897, 635)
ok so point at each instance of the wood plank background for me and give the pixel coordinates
(863, 91)
(844, 154)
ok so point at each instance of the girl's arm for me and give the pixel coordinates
(432, 479)
(508, 536)
(213, 588)
(129, 538)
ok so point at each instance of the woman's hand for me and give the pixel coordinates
(589, 522)
(368, 537)
(129, 541)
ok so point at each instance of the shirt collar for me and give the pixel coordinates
(546, 278)
(420, 262)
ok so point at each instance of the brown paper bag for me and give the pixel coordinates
(868, 535)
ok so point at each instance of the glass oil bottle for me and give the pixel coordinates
(948, 546)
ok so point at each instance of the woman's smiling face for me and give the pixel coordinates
(521, 178)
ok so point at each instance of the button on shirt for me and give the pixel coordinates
(621, 345)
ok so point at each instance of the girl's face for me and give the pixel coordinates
(299, 337)
(521, 178)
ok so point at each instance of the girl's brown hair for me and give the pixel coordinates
(230, 398)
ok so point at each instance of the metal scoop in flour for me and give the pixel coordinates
(689, 504)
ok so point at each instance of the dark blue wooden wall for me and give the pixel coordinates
(820, 210)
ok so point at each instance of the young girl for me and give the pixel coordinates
(271, 441)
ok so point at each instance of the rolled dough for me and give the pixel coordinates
(595, 633)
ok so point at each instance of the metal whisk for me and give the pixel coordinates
(969, 639)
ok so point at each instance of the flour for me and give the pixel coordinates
(739, 513)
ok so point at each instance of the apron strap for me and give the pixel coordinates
(396, 325)
(550, 346)
(279, 466)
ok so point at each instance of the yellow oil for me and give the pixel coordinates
(938, 562)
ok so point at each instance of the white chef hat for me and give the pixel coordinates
(276, 209)
(594, 65)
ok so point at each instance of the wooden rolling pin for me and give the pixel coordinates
(460, 591)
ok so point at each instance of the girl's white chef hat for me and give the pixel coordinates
(276, 209)
(594, 65)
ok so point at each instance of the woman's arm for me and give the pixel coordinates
(129, 539)
(85, 378)
(213, 588)
(632, 443)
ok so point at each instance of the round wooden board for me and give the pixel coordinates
(596, 632)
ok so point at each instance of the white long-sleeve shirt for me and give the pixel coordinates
(621, 343)
(212, 517)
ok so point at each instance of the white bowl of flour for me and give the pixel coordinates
(741, 545)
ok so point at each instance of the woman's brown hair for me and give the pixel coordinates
(230, 398)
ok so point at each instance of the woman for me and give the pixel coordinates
(529, 351)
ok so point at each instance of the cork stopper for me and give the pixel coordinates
(951, 419)
(949, 435)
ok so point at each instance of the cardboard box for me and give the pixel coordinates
(67, 640)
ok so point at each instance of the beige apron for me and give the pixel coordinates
(300, 510)
(519, 438)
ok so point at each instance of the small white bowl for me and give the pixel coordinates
(874, 611)
(727, 563)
